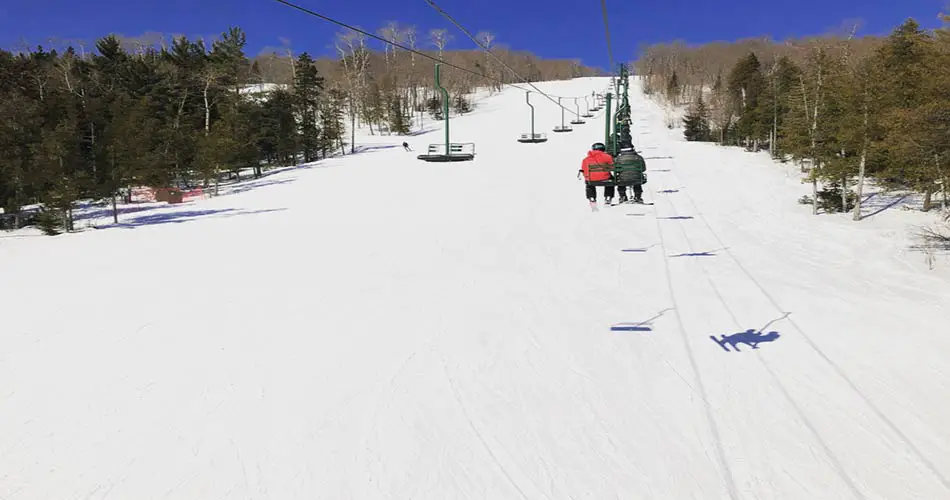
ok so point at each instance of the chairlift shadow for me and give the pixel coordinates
(642, 326)
(750, 337)
(710, 253)
(638, 250)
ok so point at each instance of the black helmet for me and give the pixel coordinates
(599, 146)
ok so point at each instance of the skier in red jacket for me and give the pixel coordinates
(597, 156)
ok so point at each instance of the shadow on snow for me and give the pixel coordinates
(709, 253)
(179, 217)
(642, 326)
(750, 337)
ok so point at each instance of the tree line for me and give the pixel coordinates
(90, 125)
(848, 109)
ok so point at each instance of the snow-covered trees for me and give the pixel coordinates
(846, 108)
(173, 111)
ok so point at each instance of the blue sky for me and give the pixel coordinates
(555, 28)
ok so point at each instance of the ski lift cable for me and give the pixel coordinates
(395, 44)
(610, 50)
(492, 54)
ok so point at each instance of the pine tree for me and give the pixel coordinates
(278, 136)
(307, 87)
(460, 104)
(746, 85)
(816, 108)
(916, 120)
(398, 122)
(434, 107)
(229, 62)
(696, 121)
(129, 146)
(673, 89)
(774, 106)
(332, 121)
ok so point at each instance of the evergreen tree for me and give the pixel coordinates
(434, 107)
(307, 87)
(460, 104)
(332, 121)
(774, 106)
(917, 116)
(374, 107)
(746, 85)
(129, 145)
(673, 89)
(696, 121)
(399, 123)
(278, 134)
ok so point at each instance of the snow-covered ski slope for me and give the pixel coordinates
(376, 327)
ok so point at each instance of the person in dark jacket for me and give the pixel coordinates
(632, 173)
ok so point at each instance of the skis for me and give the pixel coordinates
(634, 202)
(595, 208)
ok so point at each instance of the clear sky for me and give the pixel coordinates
(555, 28)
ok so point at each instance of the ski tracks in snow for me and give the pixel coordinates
(739, 326)
(735, 301)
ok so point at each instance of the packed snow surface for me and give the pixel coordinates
(373, 326)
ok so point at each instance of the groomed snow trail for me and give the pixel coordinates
(378, 327)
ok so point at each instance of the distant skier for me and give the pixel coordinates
(597, 156)
(405, 146)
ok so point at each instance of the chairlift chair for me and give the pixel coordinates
(457, 152)
(562, 128)
(531, 137)
(587, 114)
(447, 151)
(577, 120)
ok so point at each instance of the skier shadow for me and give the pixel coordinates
(749, 337)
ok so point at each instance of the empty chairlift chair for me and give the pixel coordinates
(532, 137)
(577, 120)
(447, 151)
(587, 114)
(562, 127)
(456, 152)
